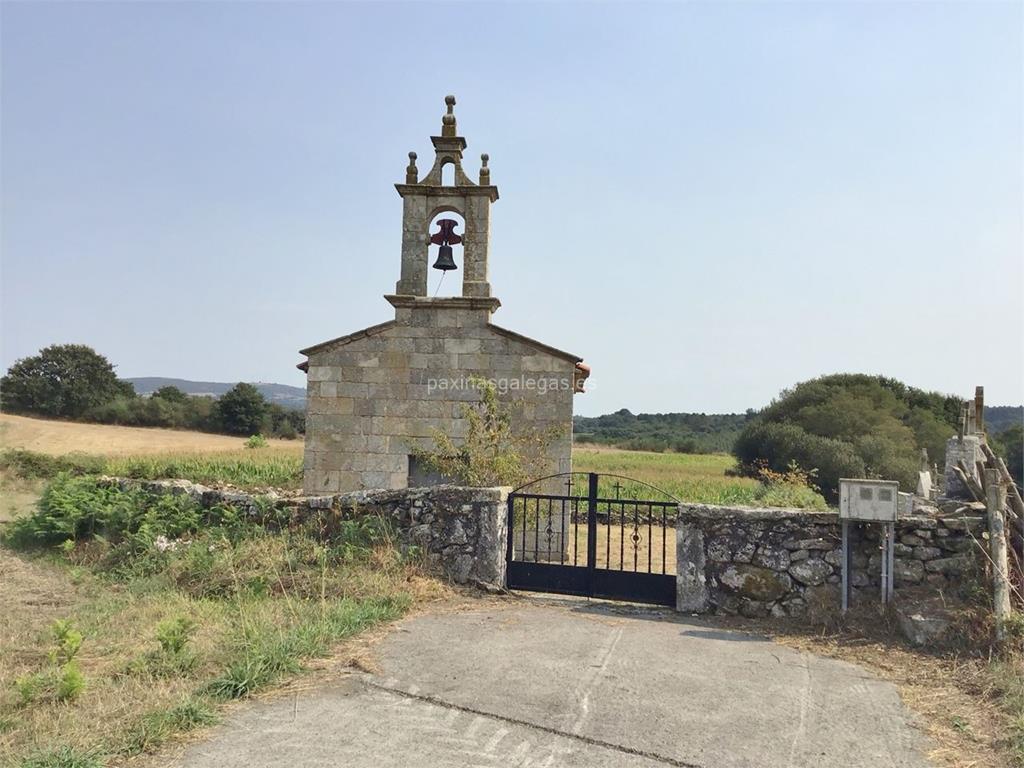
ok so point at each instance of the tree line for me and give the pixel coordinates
(843, 425)
(678, 432)
(855, 425)
(73, 381)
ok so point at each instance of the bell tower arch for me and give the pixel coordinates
(423, 199)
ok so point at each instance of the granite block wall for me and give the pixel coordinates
(374, 399)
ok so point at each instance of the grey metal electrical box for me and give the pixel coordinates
(875, 500)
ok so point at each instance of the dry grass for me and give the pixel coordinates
(57, 438)
(125, 687)
(18, 495)
(615, 550)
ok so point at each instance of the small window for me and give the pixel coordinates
(884, 494)
(865, 494)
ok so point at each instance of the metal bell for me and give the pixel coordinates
(446, 238)
(444, 261)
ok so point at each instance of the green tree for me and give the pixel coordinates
(1010, 445)
(849, 425)
(241, 410)
(171, 394)
(62, 381)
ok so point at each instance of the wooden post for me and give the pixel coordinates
(995, 499)
(979, 408)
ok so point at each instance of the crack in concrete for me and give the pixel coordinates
(805, 700)
(428, 699)
(588, 683)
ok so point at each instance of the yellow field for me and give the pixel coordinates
(208, 458)
(57, 438)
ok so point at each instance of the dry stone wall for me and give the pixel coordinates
(760, 562)
(460, 530)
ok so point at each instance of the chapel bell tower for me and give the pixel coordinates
(426, 198)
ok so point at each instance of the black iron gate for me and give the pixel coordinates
(598, 538)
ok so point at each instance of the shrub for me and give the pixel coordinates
(849, 425)
(1010, 445)
(256, 441)
(491, 453)
(31, 465)
(73, 508)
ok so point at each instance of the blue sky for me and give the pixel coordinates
(707, 201)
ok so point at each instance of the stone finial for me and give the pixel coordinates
(411, 172)
(979, 409)
(448, 120)
(485, 172)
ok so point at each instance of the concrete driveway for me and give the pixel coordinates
(571, 683)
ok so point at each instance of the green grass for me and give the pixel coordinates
(697, 478)
(165, 613)
(247, 468)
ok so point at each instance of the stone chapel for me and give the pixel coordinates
(376, 395)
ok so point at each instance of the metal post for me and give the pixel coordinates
(846, 564)
(892, 561)
(510, 527)
(591, 530)
(885, 562)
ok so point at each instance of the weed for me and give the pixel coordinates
(174, 634)
(62, 757)
(70, 682)
(268, 656)
(154, 728)
(29, 687)
(256, 441)
(68, 641)
(62, 679)
(1006, 677)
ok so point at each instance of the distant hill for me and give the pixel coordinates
(282, 394)
(1001, 417)
(683, 432)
